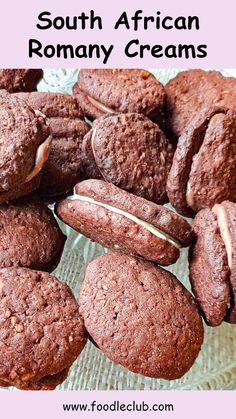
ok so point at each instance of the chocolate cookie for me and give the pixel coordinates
(204, 166)
(131, 152)
(42, 332)
(30, 236)
(213, 263)
(25, 145)
(140, 316)
(102, 91)
(119, 220)
(19, 79)
(64, 165)
(192, 90)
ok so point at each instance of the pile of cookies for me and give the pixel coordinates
(127, 145)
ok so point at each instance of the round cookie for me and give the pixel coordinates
(19, 79)
(119, 220)
(25, 145)
(42, 332)
(63, 168)
(30, 236)
(192, 90)
(140, 316)
(133, 153)
(203, 171)
(212, 262)
(102, 91)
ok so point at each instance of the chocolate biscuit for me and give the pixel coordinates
(213, 263)
(192, 90)
(203, 172)
(102, 91)
(64, 165)
(140, 316)
(19, 79)
(30, 236)
(119, 220)
(25, 145)
(133, 153)
(42, 332)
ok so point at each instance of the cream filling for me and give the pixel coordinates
(99, 105)
(93, 139)
(93, 135)
(189, 195)
(40, 159)
(42, 154)
(141, 223)
(220, 213)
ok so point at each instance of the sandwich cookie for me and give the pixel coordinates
(106, 91)
(25, 146)
(119, 220)
(30, 236)
(213, 263)
(42, 332)
(203, 172)
(191, 91)
(132, 152)
(140, 316)
(63, 168)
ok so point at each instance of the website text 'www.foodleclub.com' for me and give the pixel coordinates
(117, 406)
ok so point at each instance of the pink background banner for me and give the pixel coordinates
(19, 19)
(186, 404)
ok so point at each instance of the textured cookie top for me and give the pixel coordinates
(30, 236)
(41, 330)
(17, 80)
(22, 131)
(192, 90)
(204, 165)
(134, 154)
(121, 90)
(209, 270)
(140, 316)
(64, 166)
(53, 104)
